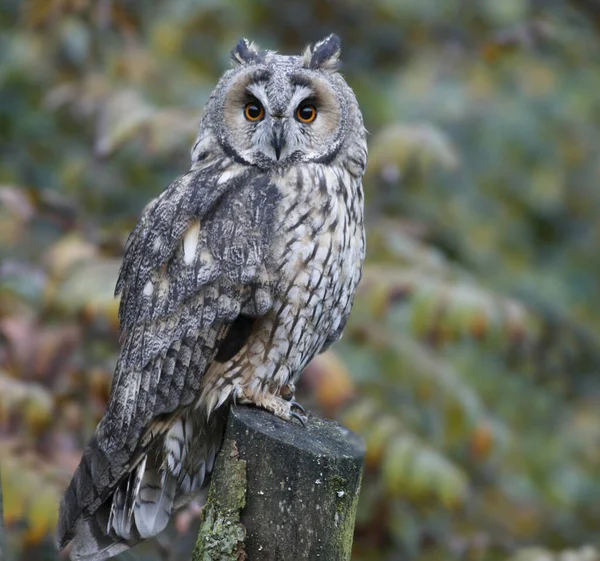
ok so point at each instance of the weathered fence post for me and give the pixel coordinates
(281, 491)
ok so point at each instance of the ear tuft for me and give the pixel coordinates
(246, 52)
(324, 54)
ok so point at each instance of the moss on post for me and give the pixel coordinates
(221, 536)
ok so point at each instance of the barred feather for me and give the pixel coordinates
(154, 501)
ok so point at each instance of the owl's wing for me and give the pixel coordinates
(194, 270)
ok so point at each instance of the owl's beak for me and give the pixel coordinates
(277, 137)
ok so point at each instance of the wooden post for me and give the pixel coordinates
(281, 491)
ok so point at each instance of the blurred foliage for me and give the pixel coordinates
(470, 364)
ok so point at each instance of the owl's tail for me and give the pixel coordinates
(166, 478)
(140, 507)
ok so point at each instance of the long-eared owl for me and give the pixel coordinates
(234, 278)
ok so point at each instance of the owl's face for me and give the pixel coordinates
(273, 111)
(280, 111)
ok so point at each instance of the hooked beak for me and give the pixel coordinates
(277, 137)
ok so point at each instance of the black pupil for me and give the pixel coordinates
(253, 111)
(306, 112)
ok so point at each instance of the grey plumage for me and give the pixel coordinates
(234, 278)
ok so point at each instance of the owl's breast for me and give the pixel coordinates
(319, 249)
(316, 249)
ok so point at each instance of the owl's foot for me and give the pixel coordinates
(288, 392)
(282, 408)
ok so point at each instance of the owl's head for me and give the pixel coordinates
(271, 110)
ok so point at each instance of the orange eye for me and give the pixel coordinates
(254, 111)
(306, 113)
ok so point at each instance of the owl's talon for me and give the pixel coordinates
(294, 403)
(301, 418)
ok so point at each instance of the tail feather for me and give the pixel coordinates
(121, 512)
(93, 543)
(154, 501)
(102, 520)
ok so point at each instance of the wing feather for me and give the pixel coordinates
(175, 312)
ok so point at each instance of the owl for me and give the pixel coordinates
(235, 277)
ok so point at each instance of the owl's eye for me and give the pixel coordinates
(306, 113)
(254, 111)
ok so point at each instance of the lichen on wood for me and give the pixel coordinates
(221, 536)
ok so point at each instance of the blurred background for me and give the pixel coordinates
(471, 361)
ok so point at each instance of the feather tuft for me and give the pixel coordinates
(324, 55)
(247, 52)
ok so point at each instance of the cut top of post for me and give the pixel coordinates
(320, 437)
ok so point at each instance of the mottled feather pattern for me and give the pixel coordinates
(153, 377)
(229, 261)
(234, 278)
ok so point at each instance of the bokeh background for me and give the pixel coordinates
(471, 361)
